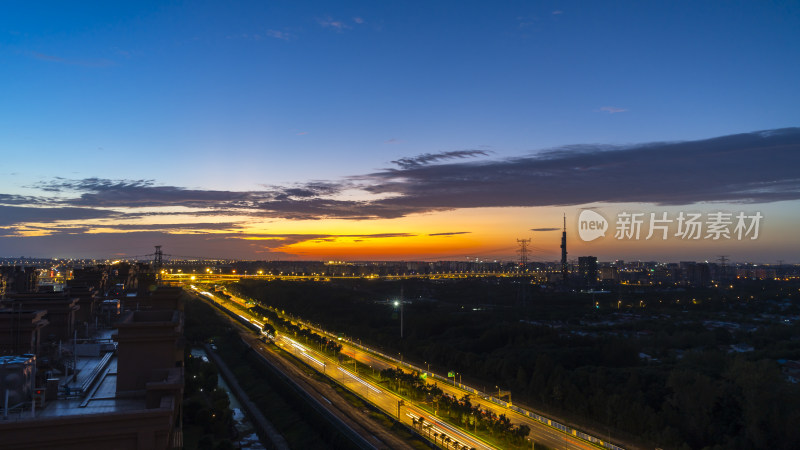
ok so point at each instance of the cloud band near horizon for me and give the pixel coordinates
(758, 167)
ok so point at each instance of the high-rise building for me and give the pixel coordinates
(587, 268)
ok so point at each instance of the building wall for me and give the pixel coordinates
(130, 430)
(148, 340)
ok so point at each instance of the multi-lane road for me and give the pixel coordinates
(379, 396)
(403, 408)
(540, 432)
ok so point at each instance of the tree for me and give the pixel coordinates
(521, 432)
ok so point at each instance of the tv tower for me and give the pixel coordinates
(564, 252)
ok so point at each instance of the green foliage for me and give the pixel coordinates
(695, 395)
(206, 405)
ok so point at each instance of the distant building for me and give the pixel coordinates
(695, 274)
(587, 269)
(609, 274)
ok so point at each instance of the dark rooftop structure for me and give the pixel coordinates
(127, 396)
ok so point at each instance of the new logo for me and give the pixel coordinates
(591, 225)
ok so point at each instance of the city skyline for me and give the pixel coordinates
(386, 132)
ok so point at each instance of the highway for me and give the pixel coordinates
(321, 395)
(387, 401)
(201, 277)
(378, 395)
(540, 432)
(368, 390)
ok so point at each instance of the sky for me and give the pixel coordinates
(399, 130)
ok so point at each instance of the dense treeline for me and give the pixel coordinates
(459, 411)
(295, 330)
(691, 394)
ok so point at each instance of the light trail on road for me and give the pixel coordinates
(376, 394)
(387, 400)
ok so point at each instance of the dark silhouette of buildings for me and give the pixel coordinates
(17, 279)
(121, 387)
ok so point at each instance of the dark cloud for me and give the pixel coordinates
(545, 229)
(755, 167)
(451, 233)
(303, 191)
(10, 215)
(313, 209)
(752, 167)
(9, 199)
(427, 158)
(226, 226)
(75, 242)
(101, 245)
(99, 192)
(308, 237)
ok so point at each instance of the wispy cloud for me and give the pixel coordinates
(329, 22)
(612, 109)
(301, 133)
(557, 12)
(545, 229)
(393, 141)
(43, 57)
(526, 21)
(278, 34)
(358, 20)
(428, 158)
(450, 233)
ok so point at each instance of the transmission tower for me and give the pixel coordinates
(158, 260)
(523, 252)
(723, 259)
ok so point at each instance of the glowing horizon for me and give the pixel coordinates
(264, 131)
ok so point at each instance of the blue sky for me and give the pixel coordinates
(242, 96)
